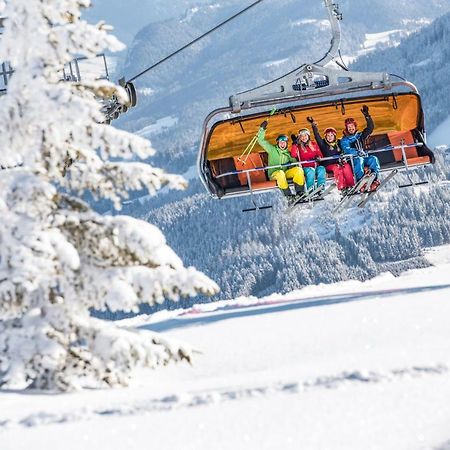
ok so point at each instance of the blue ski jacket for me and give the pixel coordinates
(353, 144)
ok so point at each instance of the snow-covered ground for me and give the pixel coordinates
(345, 366)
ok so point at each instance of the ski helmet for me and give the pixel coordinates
(282, 137)
(330, 130)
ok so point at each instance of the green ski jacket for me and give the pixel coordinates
(276, 155)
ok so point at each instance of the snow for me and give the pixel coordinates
(346, 366)
(441, 135)
(158, 127)
(422, 63)
(373, 39)
(319, 23)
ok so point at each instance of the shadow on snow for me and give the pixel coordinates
(275, 306)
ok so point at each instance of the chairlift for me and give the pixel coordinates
(82, 69)
(231, 165)
(96, 68)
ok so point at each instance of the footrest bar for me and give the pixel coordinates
(257, 209)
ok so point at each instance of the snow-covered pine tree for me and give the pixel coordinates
(58, 258)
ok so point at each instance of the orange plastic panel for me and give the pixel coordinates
(252, 161)
(396, 138)
(264, 185)
(228, 140)
(420, 160)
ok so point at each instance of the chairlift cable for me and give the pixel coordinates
(195, 40)
(398, 76)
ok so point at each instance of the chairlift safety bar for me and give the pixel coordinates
(329, 158)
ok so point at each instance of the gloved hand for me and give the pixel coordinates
(365, 110)
(294, 139)
(310, 119)
(362, 153)
(264, 124)
(317, 158)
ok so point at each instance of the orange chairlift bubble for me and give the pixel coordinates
(232, 164)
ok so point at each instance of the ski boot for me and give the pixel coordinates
(374, 186)
(364, 187)
(290, 197)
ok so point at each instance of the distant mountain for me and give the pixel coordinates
(128, 17)
(424, 59)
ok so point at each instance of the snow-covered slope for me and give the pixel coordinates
(349, 366)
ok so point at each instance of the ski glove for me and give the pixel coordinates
(310, 119)
(362, 153)
(294, 139)
(264, 125)
(365, 110)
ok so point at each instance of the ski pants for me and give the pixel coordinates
(371, 162)
(282, 177)
(343, 175)
(312, 173)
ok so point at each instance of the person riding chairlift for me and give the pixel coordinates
(304, 149)
(341, 169)
(353, 143)
(279, 156)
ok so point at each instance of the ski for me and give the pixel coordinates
(355, 190)
(327, 191)
(315, 195)
(371, 194)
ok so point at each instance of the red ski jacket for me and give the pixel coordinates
(308, 153)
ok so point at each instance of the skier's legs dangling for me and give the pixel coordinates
(321, 175)
(347, 175)
(310, 174)
(358, 164)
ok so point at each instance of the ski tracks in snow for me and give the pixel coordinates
(221, 395)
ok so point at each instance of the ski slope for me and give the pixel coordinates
(346, 366)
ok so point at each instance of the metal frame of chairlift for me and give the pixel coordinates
(403, 147)
(303, 86)
(69, 74)
(112, 108)
(407, 170)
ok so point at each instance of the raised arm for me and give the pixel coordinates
(317, 136)
(369, 124)
(266, 145)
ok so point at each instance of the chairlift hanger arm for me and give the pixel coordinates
(311, 80)
(335, 18)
